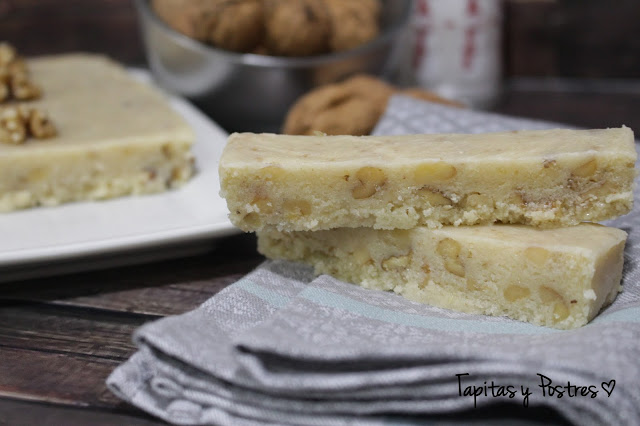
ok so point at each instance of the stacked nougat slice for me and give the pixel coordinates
(491, 223)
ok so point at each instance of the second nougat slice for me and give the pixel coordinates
(558, 277)
(540, 178)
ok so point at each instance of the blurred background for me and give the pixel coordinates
(562, 60)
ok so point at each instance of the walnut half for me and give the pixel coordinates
(15, 82)
(18, 123)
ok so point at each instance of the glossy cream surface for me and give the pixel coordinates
(307, 151)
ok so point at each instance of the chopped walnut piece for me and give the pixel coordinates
(18, 67)
(18, 123)
(5, 74)
(40, 125)
(4, 91)
(12, 127)
(9, 113)
(23, 89)
(24, 112)
(7, 53)
(15, 82)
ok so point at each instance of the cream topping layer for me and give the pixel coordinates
(93, 100)
(339, 151)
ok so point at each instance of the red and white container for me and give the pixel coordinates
(457, 49)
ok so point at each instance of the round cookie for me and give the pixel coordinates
(351, 107)
(296, 27)
(354, 23)
(235, 25)
(189, 17)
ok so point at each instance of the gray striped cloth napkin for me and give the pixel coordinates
(282, 347)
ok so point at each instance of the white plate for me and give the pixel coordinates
(58, 234)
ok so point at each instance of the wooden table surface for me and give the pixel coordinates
(60, 337)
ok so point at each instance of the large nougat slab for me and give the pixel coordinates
(542, 178)
(115, 137)
(559, 277)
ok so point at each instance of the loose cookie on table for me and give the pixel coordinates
(352, 107)
(349, 108)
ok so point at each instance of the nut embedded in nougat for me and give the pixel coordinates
(434, 172)
(587, 169)
(537, 255)
(450, 251)
(515, 292)
(370, 180)
(433, 197)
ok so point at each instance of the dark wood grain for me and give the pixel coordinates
(61, 330)
(61, 337)
(163, 288)
(54, 377)
(28, 413)
(576, 103)
(573, 38)
(40, 27)
(63, 355)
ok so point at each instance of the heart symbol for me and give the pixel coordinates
(608, 387)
